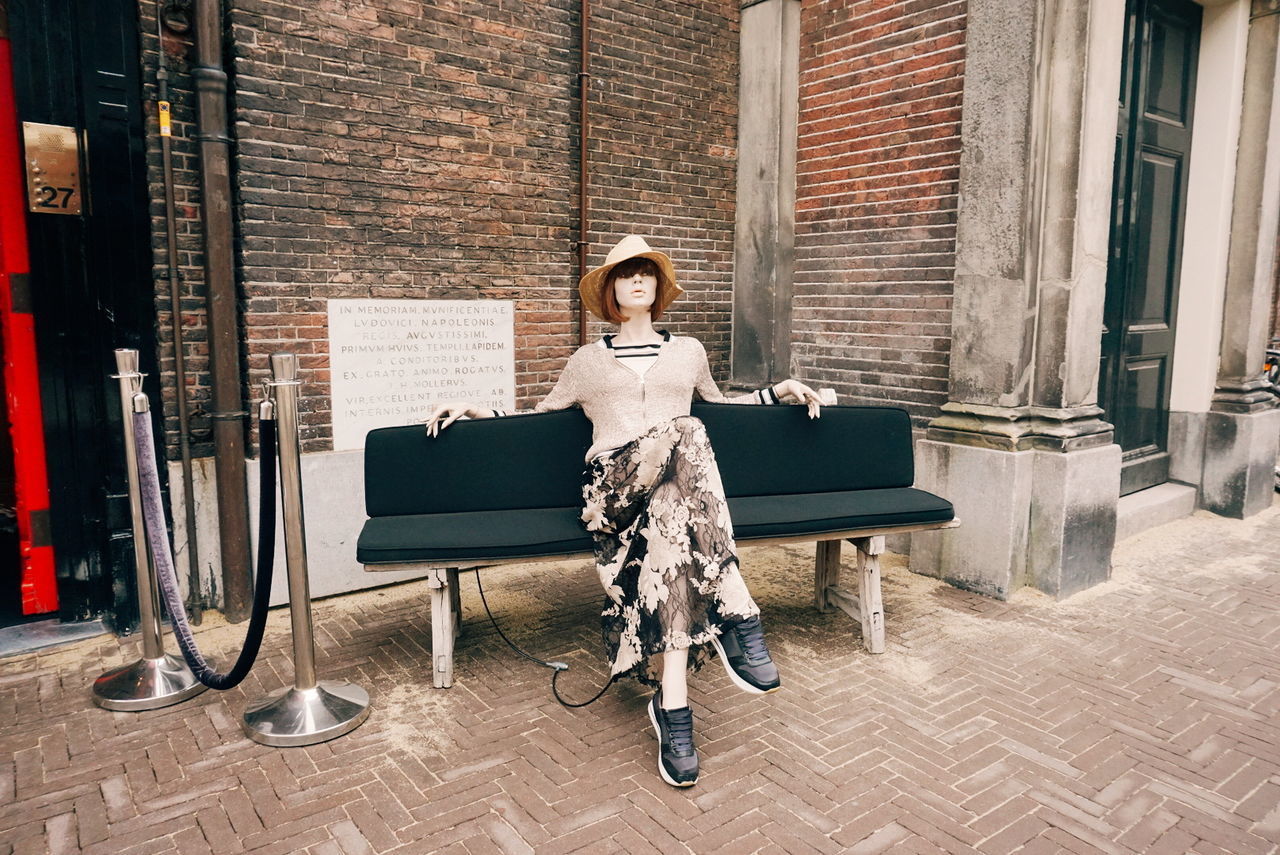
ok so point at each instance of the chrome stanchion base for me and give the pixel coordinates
(147, 684)
(290, 717)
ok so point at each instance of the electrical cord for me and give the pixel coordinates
(556, 667)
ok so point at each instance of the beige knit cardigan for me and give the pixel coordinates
(621, 404)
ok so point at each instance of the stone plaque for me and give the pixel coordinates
(392, 361)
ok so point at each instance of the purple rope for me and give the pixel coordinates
(158, 540)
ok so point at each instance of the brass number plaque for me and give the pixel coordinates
(53, 168)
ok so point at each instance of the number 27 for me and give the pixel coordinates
(48, 196)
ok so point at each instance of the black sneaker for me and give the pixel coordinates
(677, 758)
(746, 657)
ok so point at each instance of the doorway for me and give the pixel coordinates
(1153, 148)
(90, 289)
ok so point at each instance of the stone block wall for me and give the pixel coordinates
(406, 149)
(877, 177)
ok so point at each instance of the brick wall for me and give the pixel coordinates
(664, 150)
(190, 239)
(877, 175)
(396, 148)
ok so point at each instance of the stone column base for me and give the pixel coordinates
(1073, 519)
(1239, 462)
(991, 492)
(1041, 518)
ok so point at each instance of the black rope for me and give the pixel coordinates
(556, 667)
(158, 540)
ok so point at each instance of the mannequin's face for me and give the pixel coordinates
(635, 286)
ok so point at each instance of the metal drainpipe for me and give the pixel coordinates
(195, 603)
(224, 342)
(584, 127)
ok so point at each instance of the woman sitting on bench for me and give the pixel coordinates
(653, 499)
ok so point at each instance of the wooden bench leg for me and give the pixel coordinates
(826, 573)
(872, 606)
(455, 602)
(866, 606)
(442, 626)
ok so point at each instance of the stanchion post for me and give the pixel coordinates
(310, 711)
(157, 679)
(284, 369)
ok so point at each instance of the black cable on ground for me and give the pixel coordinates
(556, 667)
(158, 540)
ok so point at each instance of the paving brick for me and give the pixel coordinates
(327, 847)
(372, 826)
(1016, 834)
(60, 832)
(349, 838)
(1067, 842)
(240, 812)
(1172, 841)
(651, 834)
(1261, 802)
(91, 818)
(881, 840)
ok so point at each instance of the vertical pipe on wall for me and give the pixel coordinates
(194, 604)
(584, 135)
(224, 344)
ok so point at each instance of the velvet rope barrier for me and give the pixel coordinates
(158, 540)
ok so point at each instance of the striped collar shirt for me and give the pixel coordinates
(627, 389)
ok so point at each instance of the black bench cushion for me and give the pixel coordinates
(537, 532)
(770, 450)
(404, 469)
(527, 533)
(762, 451)
(814, 513)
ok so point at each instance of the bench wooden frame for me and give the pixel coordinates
(866, 607)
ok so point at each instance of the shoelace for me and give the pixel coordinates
(751, 639)
(680, 730)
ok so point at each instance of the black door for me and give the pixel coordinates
(76, 64)
(1153, 146)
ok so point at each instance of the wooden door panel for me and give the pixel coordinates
(1141, 433)
(1153, 142)
(1171, 49)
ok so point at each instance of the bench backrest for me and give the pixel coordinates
(535, 460)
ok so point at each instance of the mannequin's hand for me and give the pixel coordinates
(446, 414)
(803, 394)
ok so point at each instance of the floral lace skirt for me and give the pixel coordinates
(664, 548)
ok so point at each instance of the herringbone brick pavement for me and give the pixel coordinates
(1141, 716)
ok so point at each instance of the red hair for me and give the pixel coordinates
(609, 298)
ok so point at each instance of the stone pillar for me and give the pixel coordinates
(764, 235)
(1021, 448)
(1243, 426)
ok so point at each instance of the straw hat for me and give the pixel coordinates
(631, 246)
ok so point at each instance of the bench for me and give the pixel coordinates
(508, 490)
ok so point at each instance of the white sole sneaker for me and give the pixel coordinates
(733, 675)
(657, 732)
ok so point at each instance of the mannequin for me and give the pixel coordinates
(683, 591)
